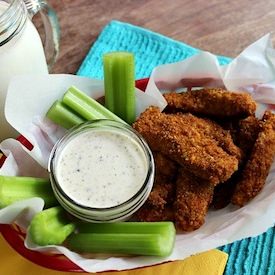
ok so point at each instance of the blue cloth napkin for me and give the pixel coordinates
(251, 256)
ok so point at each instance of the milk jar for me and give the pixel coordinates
(21, 49)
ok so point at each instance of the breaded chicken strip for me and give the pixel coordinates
(245, 134)
(183, 139)
(248, 130)
(157, 205)
(193, 196)
(212, 102)
(213, 130)
(152, 214)
(165, 166)
(257, 167)
(164, 187)
(162, 192)
(223, 192)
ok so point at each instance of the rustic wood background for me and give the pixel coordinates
(220, 26)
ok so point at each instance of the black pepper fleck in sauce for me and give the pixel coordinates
(101, 168)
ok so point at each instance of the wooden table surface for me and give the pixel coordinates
(222, 27)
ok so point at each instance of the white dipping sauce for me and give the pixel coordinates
(101, 168)
(23, 54)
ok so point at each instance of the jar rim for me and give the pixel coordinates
(12, 20)
(10, 6)
(93, 217)
(109, 123)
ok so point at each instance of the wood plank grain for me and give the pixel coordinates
(219, 26)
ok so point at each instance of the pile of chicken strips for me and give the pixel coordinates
(209, 150)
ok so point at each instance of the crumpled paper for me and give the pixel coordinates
(252, 71)
(27, 115)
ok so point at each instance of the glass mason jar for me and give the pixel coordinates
(21, 49)
(111, 180)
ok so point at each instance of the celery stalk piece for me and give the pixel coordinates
(136, 238)
(126, 227)
(87, 107)
(14, 189)
(50, 227)
(62, 115)
(119, 82)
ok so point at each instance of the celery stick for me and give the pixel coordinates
(87, 107)
(14, 189)
(126, 227)
(124, 238)
(50, 227)
(119, 82)
(136, 244)
(62, 115)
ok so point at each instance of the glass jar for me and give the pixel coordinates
(21, 49)
(101, 171)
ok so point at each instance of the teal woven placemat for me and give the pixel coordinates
(251, 256)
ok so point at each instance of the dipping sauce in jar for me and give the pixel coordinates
(102, 166)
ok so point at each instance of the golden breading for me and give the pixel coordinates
(223, 192)
(215, 131)
(162, 192)
(212, 102)
(246, 133)
(163, 189)
(183, 139)
(193, 197)
(258, 165)
(248, 130)
(165, 166)
(147, 213)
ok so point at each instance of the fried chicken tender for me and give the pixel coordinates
(248, 130)
(258, 165)
(152, 214)
(164, 187)
(223, 192)
(162, 192)
(193, 196)
(213, 130)
(212, 102)
(165, 166)
(245, 134)
(231, 125)
(183, 139)
(157, 205)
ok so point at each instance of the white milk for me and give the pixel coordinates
(22, 55)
